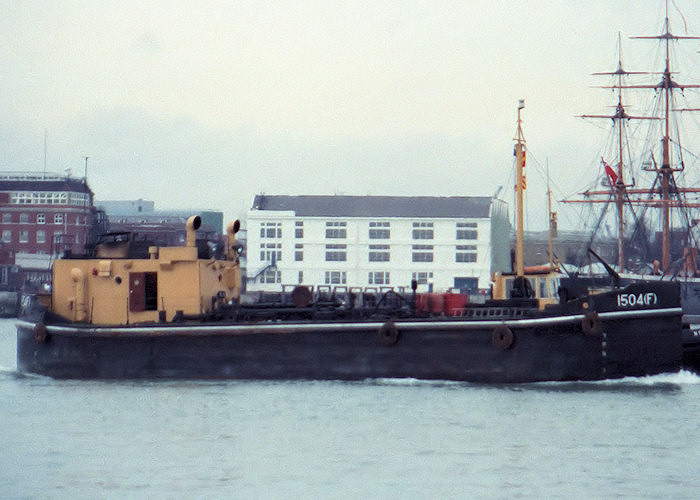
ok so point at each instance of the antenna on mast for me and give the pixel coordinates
(45, 147)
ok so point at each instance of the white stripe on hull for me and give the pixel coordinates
(330, 327)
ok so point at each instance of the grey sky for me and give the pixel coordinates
(206, 103)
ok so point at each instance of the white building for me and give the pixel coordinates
(376, 242)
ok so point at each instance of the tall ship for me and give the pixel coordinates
(126, 311)
(648, 189)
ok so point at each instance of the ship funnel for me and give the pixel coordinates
(192, 225)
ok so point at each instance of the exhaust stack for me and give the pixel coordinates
(193, 223)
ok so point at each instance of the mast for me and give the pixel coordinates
(552, 232)
(519, 188)
(616, 176)
(666, 172)
(664, 194)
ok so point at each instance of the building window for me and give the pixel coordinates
(422, 230)
(298, 253)
(422, 278)
(271, 276)
(336, 253)
(7, 236)
(301, 277)
(270, 229)
(378, 278)
(41, 237)
(379, 231)
(466, 231)
(335, 278)
(465, 253)
(41, 218)
(23, 218)
(299, 229)
(270, 252)
(379, 253)
(24, 236)
(336, 230)
(58, 218)
(47, 198)
(422, 253)
(7, 217)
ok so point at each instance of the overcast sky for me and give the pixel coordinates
(203, 104)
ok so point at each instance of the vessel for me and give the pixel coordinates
(642, 179)
(176, 312)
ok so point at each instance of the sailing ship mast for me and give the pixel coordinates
(666, 173)
(668, 188)
(618, 188)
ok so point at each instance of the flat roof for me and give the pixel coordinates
(37, 181)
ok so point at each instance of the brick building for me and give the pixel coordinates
(42, 215)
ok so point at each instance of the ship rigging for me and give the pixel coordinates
(667, 166)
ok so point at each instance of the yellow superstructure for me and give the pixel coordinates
(112, 288)
(542, 286)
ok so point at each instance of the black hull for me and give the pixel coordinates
(689, 299)
(547, 348)
(691, 342)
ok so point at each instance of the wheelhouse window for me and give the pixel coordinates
(422, 230)
(379, 230)
(422, 253)
(466, 231)
(336, 253)
(465, 253)
(336, 229)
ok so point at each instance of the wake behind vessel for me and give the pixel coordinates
(175, 312)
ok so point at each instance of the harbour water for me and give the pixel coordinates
(633, 438)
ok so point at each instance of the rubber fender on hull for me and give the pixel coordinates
(388, 334)
(502, 337)
(40, 333)
(590, 324)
